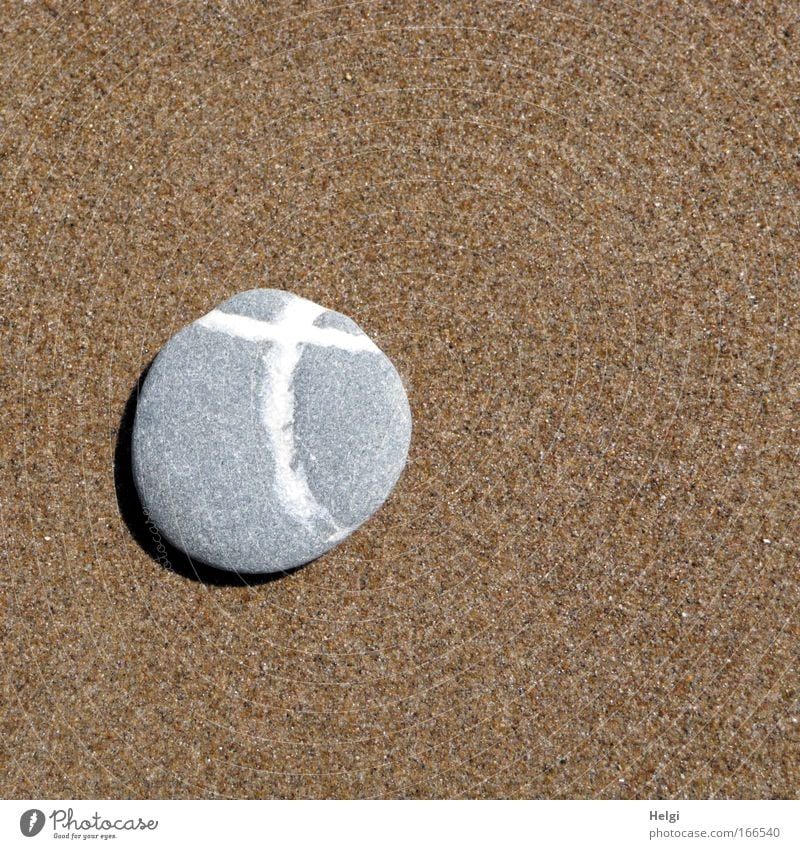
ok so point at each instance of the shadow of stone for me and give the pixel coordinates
(145, 532)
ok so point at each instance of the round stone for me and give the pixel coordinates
(266, 432)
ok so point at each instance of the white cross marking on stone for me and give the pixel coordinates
(293, 329)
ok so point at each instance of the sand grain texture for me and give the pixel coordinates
(574, 230)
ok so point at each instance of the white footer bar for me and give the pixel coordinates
(618, 824)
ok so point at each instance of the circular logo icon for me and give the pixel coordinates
(31, 822)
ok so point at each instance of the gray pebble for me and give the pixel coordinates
(266, 432)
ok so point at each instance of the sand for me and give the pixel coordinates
(574, 229)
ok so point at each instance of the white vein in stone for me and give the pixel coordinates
(293, 329)
(288, 330)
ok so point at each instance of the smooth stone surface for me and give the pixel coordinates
(266, 432)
